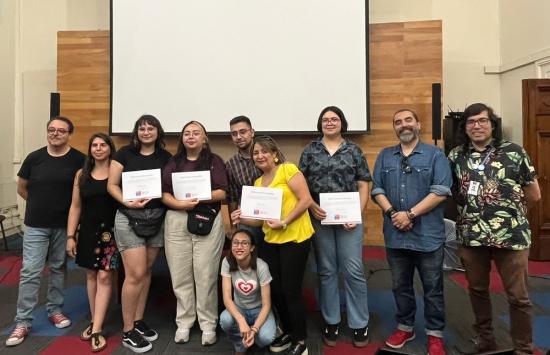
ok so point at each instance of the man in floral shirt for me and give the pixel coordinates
(494, 182)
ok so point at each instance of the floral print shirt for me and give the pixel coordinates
(487, 187)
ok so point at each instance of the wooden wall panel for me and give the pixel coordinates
(405, 59)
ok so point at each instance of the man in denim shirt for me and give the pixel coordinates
(411, 180)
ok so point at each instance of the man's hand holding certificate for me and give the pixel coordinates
(141, 185)
(261, 203)
(341, 207)
(192, 184)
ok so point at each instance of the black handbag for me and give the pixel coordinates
(145, 223)
(201, 219)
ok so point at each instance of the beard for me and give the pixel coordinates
(406, 136)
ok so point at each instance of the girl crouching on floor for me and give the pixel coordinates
(247, 319)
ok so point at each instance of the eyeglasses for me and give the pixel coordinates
(405, 166)
(188, 134)
(332, 120)
(148, 129)
(60, 131)
(240, 132)
(483, 122)
(243, 243)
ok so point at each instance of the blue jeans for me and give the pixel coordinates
(265, 335)
(430, 269)
(340, 251)
(37, 244)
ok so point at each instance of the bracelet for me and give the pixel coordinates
(284, 224)
(411, 215)
(390, 212)
(71, 237)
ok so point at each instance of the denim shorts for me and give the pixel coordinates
(127, 239)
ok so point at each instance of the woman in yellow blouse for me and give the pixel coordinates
(287, 242)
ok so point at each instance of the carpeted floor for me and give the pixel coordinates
(46, 339)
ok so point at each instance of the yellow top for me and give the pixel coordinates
(301, 228)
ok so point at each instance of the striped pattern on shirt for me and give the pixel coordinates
(241, 171)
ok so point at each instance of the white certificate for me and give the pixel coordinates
(261, 203)
(141, 184)
(341, 207)
(192, 184)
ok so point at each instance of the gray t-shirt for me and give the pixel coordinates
(247, 283)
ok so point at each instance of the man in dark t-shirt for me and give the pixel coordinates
(46, 183)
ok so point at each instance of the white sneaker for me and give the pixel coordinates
(182, 336)
(208, 338)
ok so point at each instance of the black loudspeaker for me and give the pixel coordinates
(436, 112)
(55, 104)
(450, 127)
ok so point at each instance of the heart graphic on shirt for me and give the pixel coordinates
(245, 286)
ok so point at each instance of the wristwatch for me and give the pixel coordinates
(284, 224)
(411, 215)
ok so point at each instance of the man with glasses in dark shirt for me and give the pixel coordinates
(46, 184)
(411, 180)
(494, 181)
(242, 171)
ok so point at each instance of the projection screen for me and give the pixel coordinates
(277, 62)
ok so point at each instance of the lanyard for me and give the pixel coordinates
(481, 166)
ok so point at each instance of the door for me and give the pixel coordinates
(536, 140)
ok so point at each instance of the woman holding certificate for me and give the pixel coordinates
(138, 223)
(333, 164)
(194, 182)
(94, 210)
(287, 242)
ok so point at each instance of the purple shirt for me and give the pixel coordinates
(218, 175)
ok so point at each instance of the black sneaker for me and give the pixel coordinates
(361, 337)
(135, 342)
(145, 331)
(330, 334)
(296, 349)
(280, 344)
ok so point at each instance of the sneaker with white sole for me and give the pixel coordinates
(361, 337)
(146, 332)
(135, 342)
(17, 335)
(398, 338)
(181, 336)
(281, 343)
(59, 320)
(208, 338)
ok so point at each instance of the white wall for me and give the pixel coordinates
(525, 38)
(525, 28)
(470, 41)
(7, 102)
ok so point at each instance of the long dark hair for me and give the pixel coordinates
(135, 144)
(476, 109)
(233, 266)
(205, 157)
(89, 162)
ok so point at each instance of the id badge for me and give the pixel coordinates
(473, 188)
